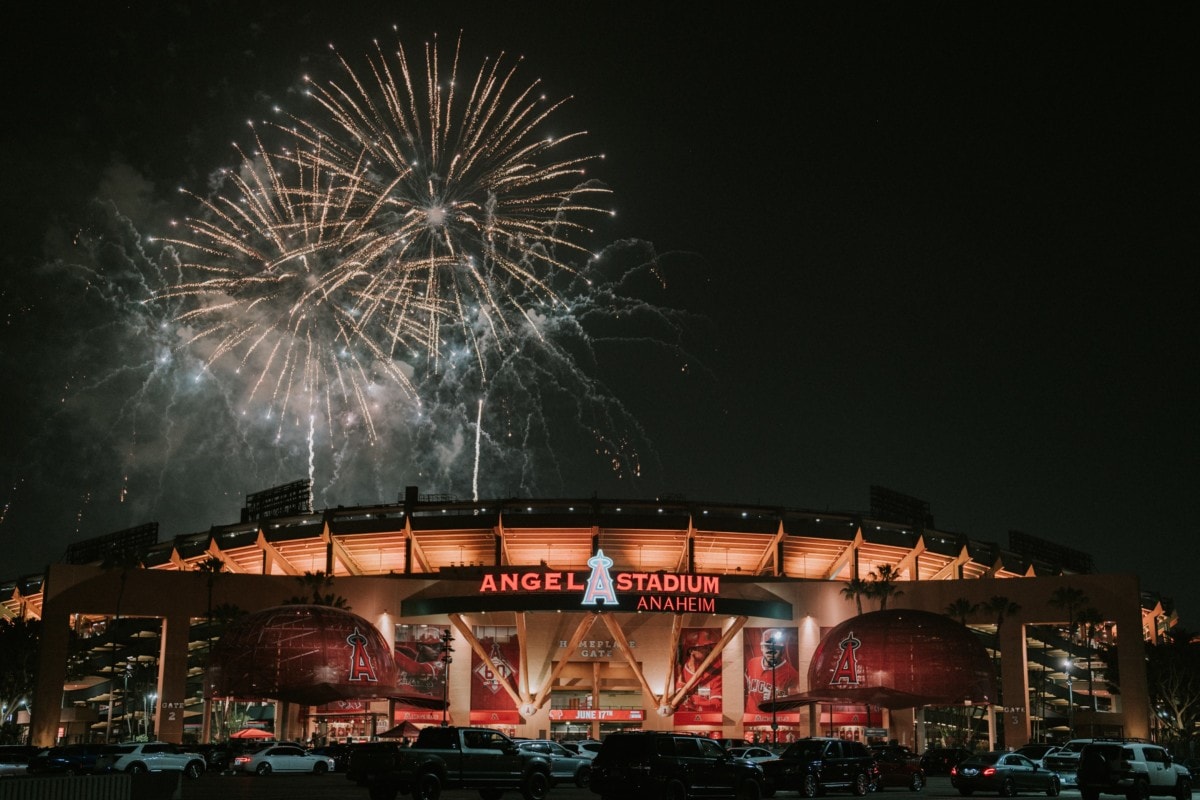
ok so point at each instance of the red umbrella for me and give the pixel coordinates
(251, 733)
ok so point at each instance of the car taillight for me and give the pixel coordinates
(242, 760)
(954, 770)
(989, 771)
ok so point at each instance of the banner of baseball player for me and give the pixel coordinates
(771, 655)
(419, 665)
(701, 706)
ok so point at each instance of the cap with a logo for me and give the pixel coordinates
(699, 640)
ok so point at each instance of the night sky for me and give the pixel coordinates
(949, 249)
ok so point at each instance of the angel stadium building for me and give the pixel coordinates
(574, 618)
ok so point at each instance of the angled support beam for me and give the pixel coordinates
(618, 635)
(846, 557)
(581, 630)
(716, 652)
(505, 684)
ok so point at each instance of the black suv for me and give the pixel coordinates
(816, 764)
(672, 766)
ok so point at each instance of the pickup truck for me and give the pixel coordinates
(450, 758)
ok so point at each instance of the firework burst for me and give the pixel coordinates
(407, 221)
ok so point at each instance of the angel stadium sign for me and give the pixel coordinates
(602, 588)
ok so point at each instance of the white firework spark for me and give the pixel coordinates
(406, 221)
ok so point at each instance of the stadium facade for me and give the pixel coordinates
(572, 618)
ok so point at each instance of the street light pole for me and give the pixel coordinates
(1070, 699)
(774, 665)
(446, 659)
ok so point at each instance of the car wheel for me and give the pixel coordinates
(916, 782)
(675, 791)
(808, 786)
(1183, 789)
(193, 770)
(320, 768)
(861, 785)
(748, 790)
(536, 786)
(1055, 787)
(137, 768)
(263, 769)
(1008, 788)
(379, 791)
(429, 787)
(583, 776)
(1139, 791)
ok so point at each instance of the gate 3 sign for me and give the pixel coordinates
(652, 591)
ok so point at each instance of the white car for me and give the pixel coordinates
(755, 754)
(283, 758)
(138, 757)
(585, 748)
(13, 765)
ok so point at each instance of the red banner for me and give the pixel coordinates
(695, 644)
(419, 665)
(771, 655)
(701, 718)
(495, 718)
(487, 689)
(602, 714)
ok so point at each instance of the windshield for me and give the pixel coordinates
(804, 751)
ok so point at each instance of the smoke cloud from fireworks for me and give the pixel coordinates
(394, 286)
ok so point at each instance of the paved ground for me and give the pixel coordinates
(336, 787)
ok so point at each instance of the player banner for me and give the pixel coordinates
(771, 655)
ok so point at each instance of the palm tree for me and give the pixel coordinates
(1000, 607)
(854, 590)
(1070, 599)
(313, 583)
(883, 584)
(1091, 620)
(211, 567)
(961, 608)
(123, 559)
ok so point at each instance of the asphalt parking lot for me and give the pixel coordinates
(336, 787)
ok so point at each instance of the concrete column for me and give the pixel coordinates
(172, 678)
(54, 650)
(1015, 677)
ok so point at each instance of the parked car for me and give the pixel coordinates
(817, 764)
(898, 766)
(756, 754)
(69, 759)
(282, 758)
(13, 761)
(141, 757)
(1036, 752)
(588, 748)
(1065, 761)
(1135, 769)
(565, 766)
(670, 765)
(1005, 773)
(940, 760)
(340, 753)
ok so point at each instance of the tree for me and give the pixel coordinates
(883, 584)
(1000, 607)
(313, 584)
(961, 608)
(854, 590)
(123, 559)
(211, 567)
(19, 640)
(1173, 678)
